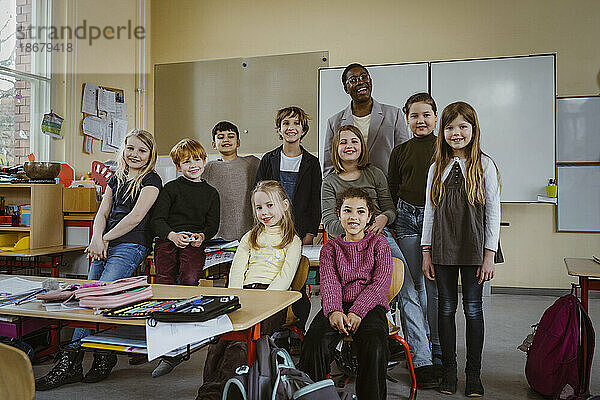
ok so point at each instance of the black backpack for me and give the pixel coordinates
(273, 376)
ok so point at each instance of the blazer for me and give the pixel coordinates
(306, 202)
(386, 131)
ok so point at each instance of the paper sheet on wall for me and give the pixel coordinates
(106, 100)
(89, 103)
(87, 144)
(121, 110)
(94, 127)
(119, 130)
(165, 337)
(107, 140)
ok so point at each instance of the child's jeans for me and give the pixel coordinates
(173, 263)
(121, 262)
(409, 226)
(446, 277)
(371, 339)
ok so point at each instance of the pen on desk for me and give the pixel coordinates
(185, 304)
(29, 296)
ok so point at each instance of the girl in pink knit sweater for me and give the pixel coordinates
(356, 273)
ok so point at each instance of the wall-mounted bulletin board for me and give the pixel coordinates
(104, 117)
(578, 164)
(191, 97)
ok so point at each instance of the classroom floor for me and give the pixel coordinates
(508, 319)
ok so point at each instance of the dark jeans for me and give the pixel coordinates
(371, 338)
(446, 277)
(172, 263)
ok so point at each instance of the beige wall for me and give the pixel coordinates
(374, 33)
(110, 63)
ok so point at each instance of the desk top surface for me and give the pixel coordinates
(46, 251)
(582, 267)
(257, 305)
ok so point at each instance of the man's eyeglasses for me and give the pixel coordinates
(353, 80)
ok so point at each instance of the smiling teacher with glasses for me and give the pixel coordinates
(382, 125)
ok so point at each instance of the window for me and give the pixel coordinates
(24, 81)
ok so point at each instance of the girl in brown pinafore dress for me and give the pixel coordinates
(461, 230)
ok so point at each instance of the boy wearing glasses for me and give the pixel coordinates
(382, 125)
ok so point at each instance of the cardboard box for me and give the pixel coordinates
(82, 200)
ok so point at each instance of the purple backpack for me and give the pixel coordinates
(560, 358)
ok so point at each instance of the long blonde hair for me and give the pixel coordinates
(134, 185)
(277, 195)
(474, 178)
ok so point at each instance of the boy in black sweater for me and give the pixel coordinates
(186, 214)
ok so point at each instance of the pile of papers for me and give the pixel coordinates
(219, 251)
(130, 339)
(16, 290)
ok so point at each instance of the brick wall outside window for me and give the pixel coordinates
(22, 87)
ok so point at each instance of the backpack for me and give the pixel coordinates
(273, 376)
(559, 360)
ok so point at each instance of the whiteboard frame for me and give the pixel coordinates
(568, 229)
(554, 138)
(572, 162)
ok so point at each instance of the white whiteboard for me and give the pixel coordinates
(392, 84)
(515, 103)
(579, 198)
(578, 129)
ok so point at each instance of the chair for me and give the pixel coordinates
(397, 282)
(298, 284)
(100, 174)
(16, 376)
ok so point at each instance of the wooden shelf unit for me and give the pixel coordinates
(15, 228)
(46, 229)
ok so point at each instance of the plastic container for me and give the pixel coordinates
(26, 215)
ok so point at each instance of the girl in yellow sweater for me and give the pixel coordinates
(267, 258)
(268, 255)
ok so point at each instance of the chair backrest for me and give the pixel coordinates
(397, 278)
(16, 376)
(298, 285)
(100, 174)
(301, 274)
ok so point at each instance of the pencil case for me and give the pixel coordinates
(116, 299)
(199, 309)
(58, 295)
(114, 294)
(106, 288)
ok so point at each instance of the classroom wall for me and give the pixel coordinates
(111, 63)
(399, 31)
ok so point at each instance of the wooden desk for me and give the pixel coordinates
(257, 305)
(55, 254)
(588, 272)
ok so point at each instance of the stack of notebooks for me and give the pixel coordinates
(129, 339)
